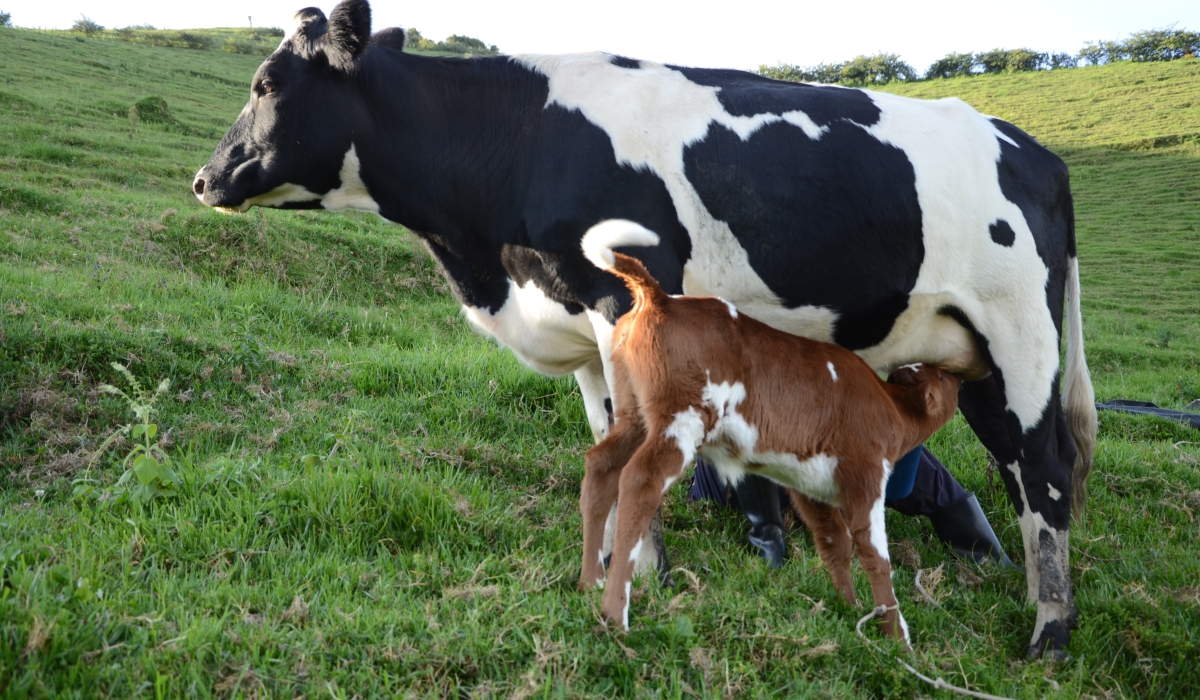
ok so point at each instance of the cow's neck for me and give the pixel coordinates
(443, 159)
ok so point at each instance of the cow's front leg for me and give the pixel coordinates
(1036, 466)
(653, 468)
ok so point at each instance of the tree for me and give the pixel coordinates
(413, 40)
(1054, 61)
(1166, 44)
(5, 19)
(879, 69)
(86, 25)
(951, 65)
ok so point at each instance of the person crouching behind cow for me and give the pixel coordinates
(693, 377)
(920, 485)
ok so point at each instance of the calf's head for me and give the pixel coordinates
(290, 145)
(926, 392)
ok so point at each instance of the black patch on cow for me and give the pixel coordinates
(745, 95)
(625, 62)
(833, 223)
(1002, 233)
(1037, 181)
(561, 204)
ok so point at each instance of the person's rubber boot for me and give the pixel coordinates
(964, 527)
(758, 498)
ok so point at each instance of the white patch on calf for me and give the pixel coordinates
(687, 430)
(625, 613)
(732, 308)
(832, 371)
(878, 526)
(636, 551)
(669, 481)
(730, 426)
(540, 331)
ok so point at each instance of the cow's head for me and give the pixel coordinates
(291, 147)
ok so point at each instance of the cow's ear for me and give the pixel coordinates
(349, 30)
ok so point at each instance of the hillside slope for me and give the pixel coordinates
(373, 500)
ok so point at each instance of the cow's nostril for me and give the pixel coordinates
(198, 186)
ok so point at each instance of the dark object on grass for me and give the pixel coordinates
(1146, 408)
(964, 527)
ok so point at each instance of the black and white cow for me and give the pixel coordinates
(905, 230)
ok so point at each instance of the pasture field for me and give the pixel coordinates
(372, 500)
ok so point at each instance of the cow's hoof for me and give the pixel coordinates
(1056, 635)
(770, 542)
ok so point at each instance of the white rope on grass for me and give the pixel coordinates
(932, 601)
(936, 683)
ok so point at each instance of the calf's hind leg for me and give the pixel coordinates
(654, 466)
(602, 472)
(833, 543)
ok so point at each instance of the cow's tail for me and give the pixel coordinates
(1079, 399)
(598, 244)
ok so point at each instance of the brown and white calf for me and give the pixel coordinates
(692, 377)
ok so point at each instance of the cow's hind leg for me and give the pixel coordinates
(832, 540)
(1036, 465)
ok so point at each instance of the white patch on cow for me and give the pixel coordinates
(625, 613)
(687, 430)
(1001, 289)
(1055, 494)
(732, 308)
(832, 371)
(287, 193)
(542, 333)
(636, 551)
(352, 193)
(651, 115)
(1000, 134)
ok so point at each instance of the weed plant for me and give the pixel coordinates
(373, 500)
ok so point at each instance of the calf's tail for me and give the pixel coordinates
(1079, 399)
(598, 244)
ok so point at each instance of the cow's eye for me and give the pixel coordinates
(268, 87)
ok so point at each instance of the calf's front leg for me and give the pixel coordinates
(653, 468)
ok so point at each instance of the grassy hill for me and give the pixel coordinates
(373, 500)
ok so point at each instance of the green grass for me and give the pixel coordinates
(433, 554)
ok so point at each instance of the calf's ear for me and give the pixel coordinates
(349, 31)
(933, 399)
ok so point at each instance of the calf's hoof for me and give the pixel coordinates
(770, 542)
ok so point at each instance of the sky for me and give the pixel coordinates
(741, 34)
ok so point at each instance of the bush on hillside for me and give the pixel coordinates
(952, 65)
(467, 45)
(879, 69)
(153, 109)
(86, 25)
(1167, 44)
(1009, 60)
(5, 19)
